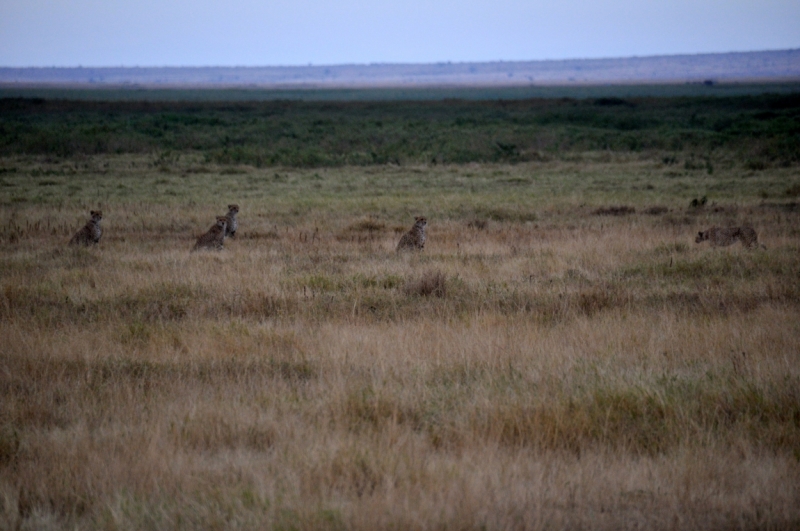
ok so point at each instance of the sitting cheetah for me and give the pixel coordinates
(91, 232)
(728, 236)
(215, 236)
(233, 223)
(414, 239)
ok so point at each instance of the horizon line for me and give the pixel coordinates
(445, 62)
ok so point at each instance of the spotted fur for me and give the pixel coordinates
(214, 238)
(722, 237)
(91, 232)
(414, 240)
(233, 223)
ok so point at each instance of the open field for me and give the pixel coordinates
(230, 94)
(562, 355)
(759, 131)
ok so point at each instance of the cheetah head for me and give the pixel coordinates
(233, 208)
(420, 221)
(222, 221)
(96, 215)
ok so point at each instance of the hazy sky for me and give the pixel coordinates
(299, 32)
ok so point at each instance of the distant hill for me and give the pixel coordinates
(783, 65)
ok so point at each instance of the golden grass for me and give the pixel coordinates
(546, 367)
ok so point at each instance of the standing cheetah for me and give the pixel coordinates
(414, 240)
(215, 236)
(722, 237)
(233, 223)
(91, 232)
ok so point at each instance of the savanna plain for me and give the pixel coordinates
(561, 355)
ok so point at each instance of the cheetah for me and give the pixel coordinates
(214, 238)
(414, 240)
(91, 232)
(722, 237)
(233, 223)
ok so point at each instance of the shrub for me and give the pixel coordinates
(793, 191)
(614, 211)
(430, 283)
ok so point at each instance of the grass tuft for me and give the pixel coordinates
(431, 283)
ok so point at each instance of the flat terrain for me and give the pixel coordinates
(561, 355)
(775, 65)
(755, 130)
(230, 94)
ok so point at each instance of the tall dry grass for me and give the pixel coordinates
(534, 368)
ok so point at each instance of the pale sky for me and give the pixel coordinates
(322, 32)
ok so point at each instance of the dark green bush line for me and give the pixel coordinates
(765, 130)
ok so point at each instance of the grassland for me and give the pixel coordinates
(759, 130)
(382, 95)
(562, 354)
